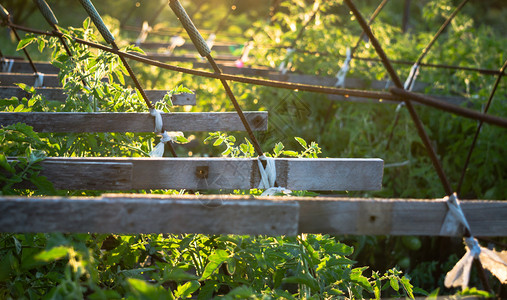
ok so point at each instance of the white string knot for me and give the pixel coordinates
(284, 65)
(176, 41)
(455, 221)
(7, 64)
(158, 151)
(244, 56)
(143, 34)
(39, 79)
(495, 262)
(268, 177)
(211, 40)
(412, 76)
(158, 119)
(344, 69)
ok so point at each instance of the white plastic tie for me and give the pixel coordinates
(211, 40)
(399, 107)
(39, 79)
(143, 34)
(158, 119)
(495, 262)
(340, 76)
(7, 65)
(412, 76)
(176, 41)
(240, 63)
(454, 219)
(167, 136)
(285, 64)
(268, 177)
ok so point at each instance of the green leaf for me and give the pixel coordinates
(218, 142)
(357, 276)
(301, 141)
(278, 148)
(55, 253)
(177, 274)
(290, 153)
(145, 291)
(186, 290)
(394, 283)
(41, 43)
(215, 261)
(25, 42)
(86, 23)
(305, 279)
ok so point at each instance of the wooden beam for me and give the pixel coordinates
(228, 214)
(352, 83)
(218, 46)
(24, 67)
(198, 173)
(134, 122)
(186, 57)
(9, 79)
(58, 94)
(148, 214)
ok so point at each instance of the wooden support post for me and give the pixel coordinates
(133, 122)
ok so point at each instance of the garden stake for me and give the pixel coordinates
(413, 113)
(204, 51)
(53, 21)
(476, 135)
(106, 34)
(415, 68)
(331, 111)
(6, 17)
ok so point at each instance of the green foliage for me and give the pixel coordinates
(234, 267)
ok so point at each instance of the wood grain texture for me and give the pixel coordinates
(9, 79)
(58, 94)
(224, 214)
(218, 46)
(360, 216)
(186, 57)
(320, 174)
(134, 122)
(149, 214)
(25, 67)
(353, 83)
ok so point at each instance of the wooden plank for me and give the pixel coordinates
(319, 174)
(351, 82)
(217, 46)
(373, 216)
(228, 214)
(9, 79)
(134, 122)
(58, 94)
(25, 67)
(186, 57)
(149, 214)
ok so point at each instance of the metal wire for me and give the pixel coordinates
(476, 135)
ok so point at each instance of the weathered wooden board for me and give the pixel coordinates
(25, 67)
(134, 122)
(217, 46)
(228, 214)
(57, 94)
(149, 214)
(9, 79)
(352, 83)
(187, 57)
(396, 216)
(319, 174)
